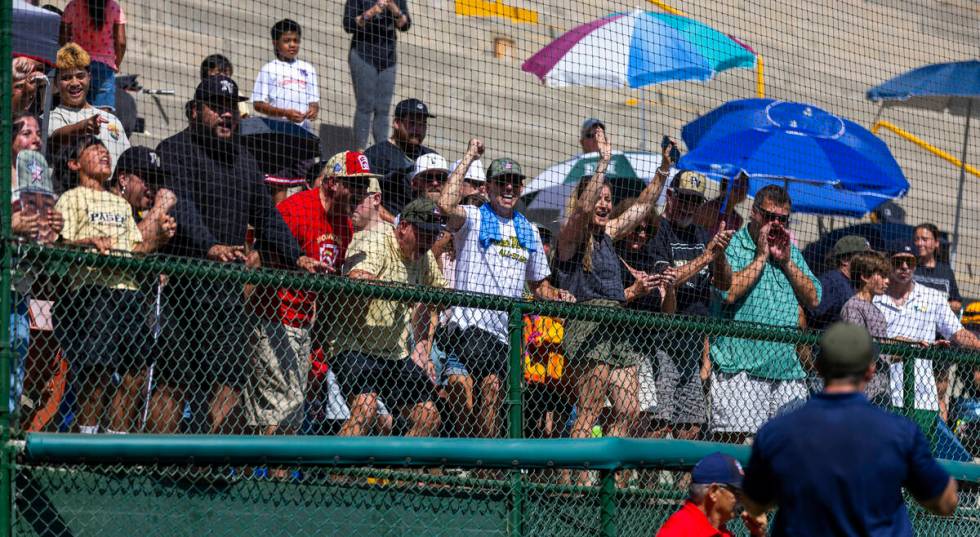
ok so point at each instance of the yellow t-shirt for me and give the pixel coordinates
(384, 327)
(90, 213)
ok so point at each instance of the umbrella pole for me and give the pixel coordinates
(643, 120)
(959, 190)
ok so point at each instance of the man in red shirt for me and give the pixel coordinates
(716, 484)
(320, 219)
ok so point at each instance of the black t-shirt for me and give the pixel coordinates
(394, 166)
(375, 42)
(679, 246)
(940, 278)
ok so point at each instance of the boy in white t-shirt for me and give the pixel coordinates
(499, 252)
(287, 87)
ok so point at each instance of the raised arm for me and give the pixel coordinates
(744, 279)
(576, 224)
(623, 224)
(449, 200)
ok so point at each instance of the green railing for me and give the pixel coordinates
(390, 486)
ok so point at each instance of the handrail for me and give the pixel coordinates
(597, 454)
(904, 134)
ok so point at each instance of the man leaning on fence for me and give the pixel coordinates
(375, 359)
(219, 194)
(770, 286)
(499, 252)
(320, 219)
(915, 313)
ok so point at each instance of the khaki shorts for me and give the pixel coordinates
(589, 341)
(280, 365)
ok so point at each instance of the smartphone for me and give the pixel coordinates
(660, 266)
(675, 153)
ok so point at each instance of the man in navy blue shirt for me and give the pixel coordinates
(836, 283)
(837, 465)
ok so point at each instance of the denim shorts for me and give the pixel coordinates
(102, 89)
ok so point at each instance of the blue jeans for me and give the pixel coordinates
(20, 338)
(102, 89)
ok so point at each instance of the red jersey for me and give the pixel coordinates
(689, 521)
(323, 237)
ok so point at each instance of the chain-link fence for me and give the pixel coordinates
(245, 218)
(478, 492)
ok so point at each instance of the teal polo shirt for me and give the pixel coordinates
(770, 301)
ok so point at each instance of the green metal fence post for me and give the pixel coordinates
(608, 508)
(515, 415)
(6, 354)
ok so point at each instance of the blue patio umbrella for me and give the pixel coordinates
(952, 87)
(833, 165)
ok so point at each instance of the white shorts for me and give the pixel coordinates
(741, 403)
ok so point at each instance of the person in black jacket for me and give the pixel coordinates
(374, 26)
(219, 194)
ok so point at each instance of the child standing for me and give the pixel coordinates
(287, 87)
(99, 26)
(869, 276)
(101, 324)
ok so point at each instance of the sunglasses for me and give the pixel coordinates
(773, 217)
(643, 229)
(900, 260)
(511, 180)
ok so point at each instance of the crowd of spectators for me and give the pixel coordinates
(265, 359)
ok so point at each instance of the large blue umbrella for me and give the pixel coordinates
(830, 162)
(952, 87)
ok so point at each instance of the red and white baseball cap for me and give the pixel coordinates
(349, 164)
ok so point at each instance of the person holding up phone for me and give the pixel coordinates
(699, 264)
(771, 284)
(602, 360)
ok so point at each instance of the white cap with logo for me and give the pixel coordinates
(475, 173)
(429, 162)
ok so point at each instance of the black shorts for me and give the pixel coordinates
(205, 333)
(99, 326)
(480, 351)
(398, 383)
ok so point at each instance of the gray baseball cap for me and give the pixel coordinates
(845, 349)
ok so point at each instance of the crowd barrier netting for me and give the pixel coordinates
(476, 219)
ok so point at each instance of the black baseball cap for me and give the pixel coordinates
(218, 88)
(142, 162)
(412, 107)
(903, 247)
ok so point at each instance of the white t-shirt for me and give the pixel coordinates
(503, 269)
(112, 133)
(287, 85)
(924, 313)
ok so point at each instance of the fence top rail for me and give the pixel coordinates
(667, 323)
(597, 453)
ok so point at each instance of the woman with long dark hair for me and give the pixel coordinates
(603, 361)
(99, 26)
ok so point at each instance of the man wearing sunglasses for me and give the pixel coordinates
(916, 313)
(712, 502)
(701, 265)
(385, 348)
(771, 285)
(499, 252)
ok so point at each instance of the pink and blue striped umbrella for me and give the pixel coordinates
(637, 49)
